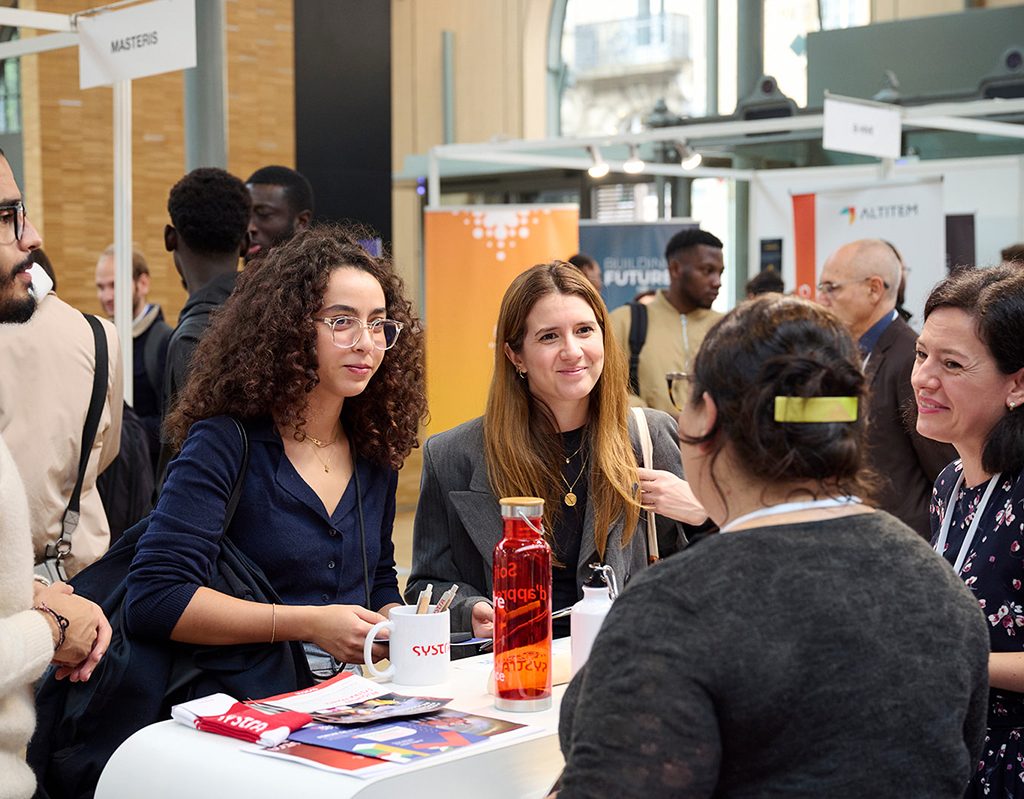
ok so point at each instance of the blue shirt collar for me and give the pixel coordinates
(870, 338)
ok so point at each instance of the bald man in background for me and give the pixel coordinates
(859, 283)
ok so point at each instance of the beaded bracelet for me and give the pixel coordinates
(62, 623)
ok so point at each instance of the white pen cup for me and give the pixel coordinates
(419, 646)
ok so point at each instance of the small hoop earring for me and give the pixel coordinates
(521, 373)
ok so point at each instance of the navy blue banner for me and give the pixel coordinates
(631, 255)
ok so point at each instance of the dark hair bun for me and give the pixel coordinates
(774, 346)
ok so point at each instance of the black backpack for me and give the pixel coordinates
(126, 485)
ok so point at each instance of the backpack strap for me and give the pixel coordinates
(236, 490)
(637, 337)
(69, 522)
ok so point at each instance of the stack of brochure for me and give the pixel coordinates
(362, 730)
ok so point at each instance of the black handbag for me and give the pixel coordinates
(80, 725)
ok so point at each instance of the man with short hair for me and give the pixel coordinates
(767, 281)
(589, 267)
(859, 284)
(282, 205)
(48, 366)
(209, 210)
(34, 620)
(150, 337)
(1013, 255)
(677, 319)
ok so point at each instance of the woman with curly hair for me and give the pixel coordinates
(318, 356)
(557, 426)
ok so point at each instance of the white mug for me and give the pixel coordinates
(420, 646)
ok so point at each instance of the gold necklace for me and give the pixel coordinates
(321, 444)
(577, 452)
(318, 446)
(570, 497)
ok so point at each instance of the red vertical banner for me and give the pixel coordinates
(804, 234)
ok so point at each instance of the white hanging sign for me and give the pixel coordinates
(143, 40)
(855, 126)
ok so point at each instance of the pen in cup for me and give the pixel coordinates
(446, 599)
(423, 602)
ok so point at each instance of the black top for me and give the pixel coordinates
(568, 527)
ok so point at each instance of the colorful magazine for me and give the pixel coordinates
(326, 759)
(410, 740)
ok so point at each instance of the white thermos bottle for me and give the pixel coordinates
(588, 614)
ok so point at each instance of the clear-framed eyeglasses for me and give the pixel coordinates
(679, 388)
(12, 220)
(346, 331)
(829, 288)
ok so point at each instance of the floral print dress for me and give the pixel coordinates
(993, 570)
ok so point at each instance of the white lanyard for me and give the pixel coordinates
(947, 521)
(686, 343)
(790, 507)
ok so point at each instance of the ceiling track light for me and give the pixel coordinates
(688, 157)
(633, 165)
(600, 167)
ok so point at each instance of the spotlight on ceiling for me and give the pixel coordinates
(600, 167)
(688, 157)
(633, 165)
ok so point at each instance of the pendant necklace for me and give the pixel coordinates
(570, 497)
(577, 452)
(316, 446)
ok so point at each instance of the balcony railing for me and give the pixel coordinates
(628, 44)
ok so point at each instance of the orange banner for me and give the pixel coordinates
(472, 253)
(804, 233)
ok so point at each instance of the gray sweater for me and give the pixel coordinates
(838, 658)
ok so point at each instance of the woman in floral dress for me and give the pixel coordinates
(969, 383)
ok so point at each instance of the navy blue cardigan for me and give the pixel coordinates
(309, 557)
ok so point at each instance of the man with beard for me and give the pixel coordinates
(282, 205)
(38, 624)
(676, 320)
(150, 336)
(48, 365)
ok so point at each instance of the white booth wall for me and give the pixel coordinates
(992, 189)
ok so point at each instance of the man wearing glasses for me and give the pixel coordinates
(47, 367)
(859, 284)
(37, 623)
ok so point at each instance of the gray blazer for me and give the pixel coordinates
(458, 518)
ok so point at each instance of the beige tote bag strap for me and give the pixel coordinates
(647, 451)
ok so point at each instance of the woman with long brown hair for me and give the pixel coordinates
(558, 426)
(318, 356)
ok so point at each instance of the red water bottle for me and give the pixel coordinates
(522, 608)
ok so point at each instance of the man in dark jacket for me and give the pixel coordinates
(209, 211)
(859, 283)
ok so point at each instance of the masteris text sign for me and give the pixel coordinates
(143, 40)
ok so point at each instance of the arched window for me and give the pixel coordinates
(616, 59)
